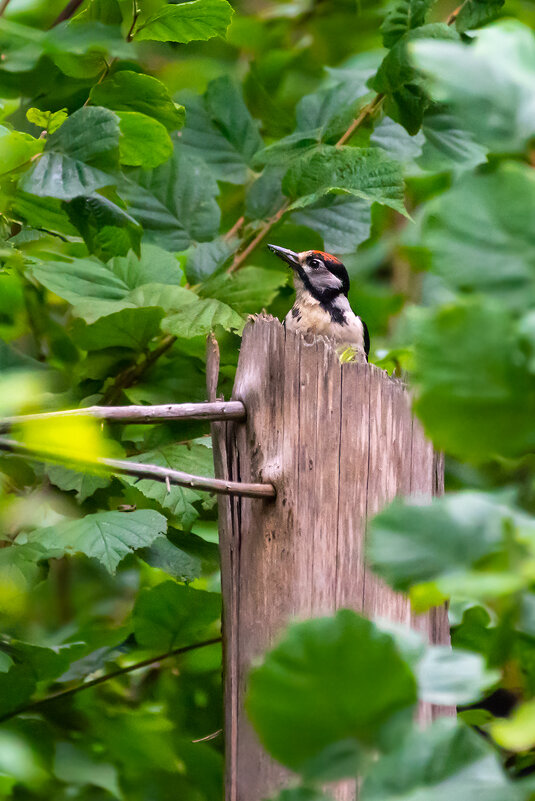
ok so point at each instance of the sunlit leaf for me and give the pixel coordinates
(198, 19)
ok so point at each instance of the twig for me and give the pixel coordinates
(101, 679)
(150, 471)
(131, 374)
(219, 410)
(3, 5)
(67, 12)
(235, 228)
(135, 15)
(366, 112)
(454, 14)
(240, 257)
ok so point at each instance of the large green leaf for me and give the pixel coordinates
(329, 680)
(75, 156)
(170, 615)
(343, 222)
(78, 280)
(175, 203)
(406, 15)
(365, 173)
(481, 238)
(449, 677)
(248, 291)
(490, 84)
(220, 130)
(197, 319)
(448, 145)
(106, 536)
(205, 258)
(411, 544)
(198, 19)
(474, 393)
(447, 760)
(127, 328)
(179, 501)
(126, 90)
(85, 484)
(144, 141)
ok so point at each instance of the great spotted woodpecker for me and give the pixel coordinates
(321, 305)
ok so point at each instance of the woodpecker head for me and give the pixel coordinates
(321, 274)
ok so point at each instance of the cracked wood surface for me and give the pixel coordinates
(338, 442)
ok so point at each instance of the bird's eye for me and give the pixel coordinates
(315, 263)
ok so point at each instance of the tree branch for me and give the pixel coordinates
(3, 5)
(150, 471)
(218, 410)
(71, 7)
(101, 679)
(367, 111)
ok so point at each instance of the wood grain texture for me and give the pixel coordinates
(338, 442)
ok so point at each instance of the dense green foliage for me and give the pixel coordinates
(147, 149)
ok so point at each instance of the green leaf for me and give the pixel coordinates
(197, 319)
(365, 173)
(43, 212)
(50, 121)
(170, 615)
(517, 733)
(16, 687)
(133, 91)
(106, 536)
(480, 237)
(127, 328)
(445, 760)
(410, 544)
(248, 291)
(489, 84)
(175, 203)
(343, 222)
(406, 15)
(399, 80)
(392, 137)
(106, 229)
(447, 145)
(78, 280)
(75, 766)
(179, 502)
(17, 150)
(329, 679)
(449, 677)
(221, 131)
(185, 557)
(205, 258)
(20, 570)
(45, 663)
(480, 404)
(196, 20)
(84, 484)
(74, 156)
(475, 13)
(144, 141)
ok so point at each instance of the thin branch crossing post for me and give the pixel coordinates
(338, 442)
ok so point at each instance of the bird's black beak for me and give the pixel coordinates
(286, 255)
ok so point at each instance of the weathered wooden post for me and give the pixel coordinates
(338, 442)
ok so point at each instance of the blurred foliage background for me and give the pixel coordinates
(147, 149)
